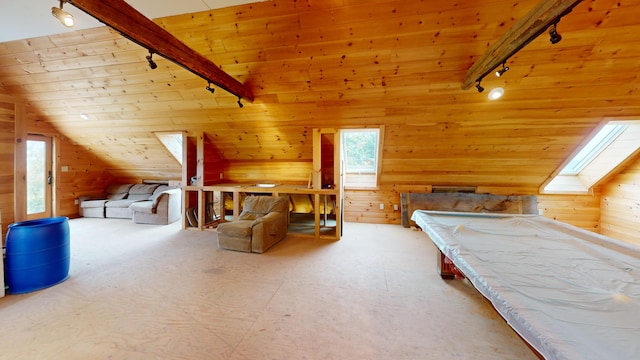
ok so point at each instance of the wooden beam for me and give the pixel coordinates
(546, 13)
(125, 19)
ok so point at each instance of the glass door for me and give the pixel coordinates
(39, 177)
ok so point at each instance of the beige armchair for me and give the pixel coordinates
(262, 223)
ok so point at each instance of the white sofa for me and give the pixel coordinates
(144, 203)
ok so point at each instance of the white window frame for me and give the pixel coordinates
(364, 178)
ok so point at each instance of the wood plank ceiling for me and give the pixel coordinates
(343, 63)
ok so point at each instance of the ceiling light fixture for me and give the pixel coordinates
(209, 88)
(64, 17)
(240, 103)
(152, 64)
(84, 116)
(554, 37)
(503, 70)
(479, 87)
(496, 93)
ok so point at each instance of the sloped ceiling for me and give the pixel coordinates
(343, 63)
(32, 18)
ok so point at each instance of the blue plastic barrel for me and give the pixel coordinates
(37, 254)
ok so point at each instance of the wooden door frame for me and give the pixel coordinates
(49, 191)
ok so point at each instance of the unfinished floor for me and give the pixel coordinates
(159, 292)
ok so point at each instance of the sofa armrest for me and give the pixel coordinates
(91, 206)
(267, 219)
(268, 230)
(165, 208)
(165, 195)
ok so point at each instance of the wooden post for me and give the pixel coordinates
(200, 160)
(19, 163)
(317, 159)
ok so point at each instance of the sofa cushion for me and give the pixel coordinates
(141, 191)
(118, 196)
(118, 212)
(118, 191)
(256, 207)
(238, 228)
(124, 203)
(87, 204)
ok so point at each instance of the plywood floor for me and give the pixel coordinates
(158, 292)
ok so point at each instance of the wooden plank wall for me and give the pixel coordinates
(364, 206)
(213, 165)
(582, 211)
(86, 175)
(263, 171)
(192, 159)
(620, 205)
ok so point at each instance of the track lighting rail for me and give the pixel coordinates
(134, 26)
(536, 22)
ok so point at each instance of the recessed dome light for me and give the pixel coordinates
(496, 93)
(84, 116)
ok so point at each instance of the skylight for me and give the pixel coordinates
(594, 147)
(173, 142)
(602, 156)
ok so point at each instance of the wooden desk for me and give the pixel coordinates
(236, 189)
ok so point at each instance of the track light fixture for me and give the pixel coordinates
(554, 37)
(503, 70)
(240, 103)
(479, 87)
(543, 18)
(209, 88)
(152, 64)
(64, 17)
